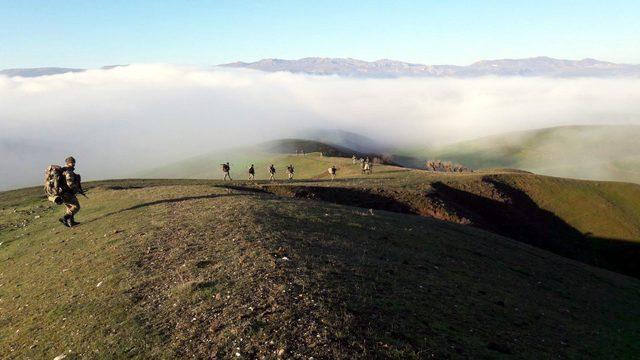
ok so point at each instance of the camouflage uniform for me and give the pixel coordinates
(272, 172)
(226, 170)
(68, 197)
(332, 172)
(290, 170)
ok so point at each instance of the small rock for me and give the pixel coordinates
(280, 352)
(501, 348)
(100, 283)
(37, 217)
(60, 357)
(285, 258)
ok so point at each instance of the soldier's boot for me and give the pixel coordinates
(72, 222)
(65, 220)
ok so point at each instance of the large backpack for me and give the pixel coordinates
(54, 183)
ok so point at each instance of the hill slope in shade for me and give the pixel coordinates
(167, 269)
(593, 222)
(586, 152)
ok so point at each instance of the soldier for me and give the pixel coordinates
(363, 165)
(354, 159)
(226, 169)
(290, 170)
(272, 172)
(252, 172)
(68, 194)
(332, 172)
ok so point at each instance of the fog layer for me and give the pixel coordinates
(122, 120)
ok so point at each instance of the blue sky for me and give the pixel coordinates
(96, 33)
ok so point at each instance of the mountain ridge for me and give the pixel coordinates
(534, 66)
(389, 68)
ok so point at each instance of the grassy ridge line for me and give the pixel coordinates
(195, 270)
(587, 152)
(604, 209)
(309, 166)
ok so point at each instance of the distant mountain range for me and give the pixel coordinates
(45, 71)
(536, 66)
(35, 72)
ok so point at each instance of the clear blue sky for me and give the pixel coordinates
(95, 33)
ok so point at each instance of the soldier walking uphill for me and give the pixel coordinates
(61, 184)
(225, 169)
(290, 171)
(252, 172)
(272, 172)
(332, 172)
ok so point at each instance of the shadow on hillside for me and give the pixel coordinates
(512, 213)
(517, 216)
(342, 196)
(326, 179)
(163, 201)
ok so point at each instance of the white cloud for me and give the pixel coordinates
(143, 115)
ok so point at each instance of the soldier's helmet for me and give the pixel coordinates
(70, 160)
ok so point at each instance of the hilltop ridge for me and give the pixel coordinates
(195, 268)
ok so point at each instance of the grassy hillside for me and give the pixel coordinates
(185, 268)
(587, 152)
(309, 166)
(281, 153)
(201, 268)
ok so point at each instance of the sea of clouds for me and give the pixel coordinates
(119, 121)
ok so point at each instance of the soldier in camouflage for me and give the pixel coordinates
(226, 169)
(272, 173)
(290, 171)
(68, 196)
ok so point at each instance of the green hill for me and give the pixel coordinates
(586, 152)
(397, 264)
(317, 158)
